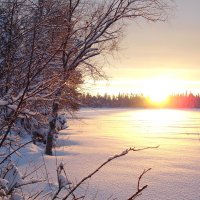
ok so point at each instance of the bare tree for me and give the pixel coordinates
(46, 50)
(94, 32)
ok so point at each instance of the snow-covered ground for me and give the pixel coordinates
(98, 134)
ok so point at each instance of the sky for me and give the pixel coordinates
(157, 57)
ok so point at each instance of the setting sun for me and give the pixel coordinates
(158, 98)
(159, 89)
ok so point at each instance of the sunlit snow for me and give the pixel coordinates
(98, 134)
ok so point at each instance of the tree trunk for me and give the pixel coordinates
(52, 126)
(49, 143)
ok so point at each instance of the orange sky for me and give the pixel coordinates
(158, 56)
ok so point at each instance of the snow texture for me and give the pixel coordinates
(16, 196)
(103, 133)
(63, 180)
(61, 122)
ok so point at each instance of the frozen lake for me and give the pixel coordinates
(101, 133)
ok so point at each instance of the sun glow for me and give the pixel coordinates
(158, 98)
(156, 88)
(159, 89)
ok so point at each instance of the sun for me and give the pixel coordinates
(158, 90)
(158, 97)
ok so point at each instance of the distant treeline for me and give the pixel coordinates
(140, 101)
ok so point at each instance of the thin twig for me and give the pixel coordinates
(139, 190)
(14, 152)
(102, 165)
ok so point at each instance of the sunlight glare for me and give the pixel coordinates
(159, 89)
(158, 97)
